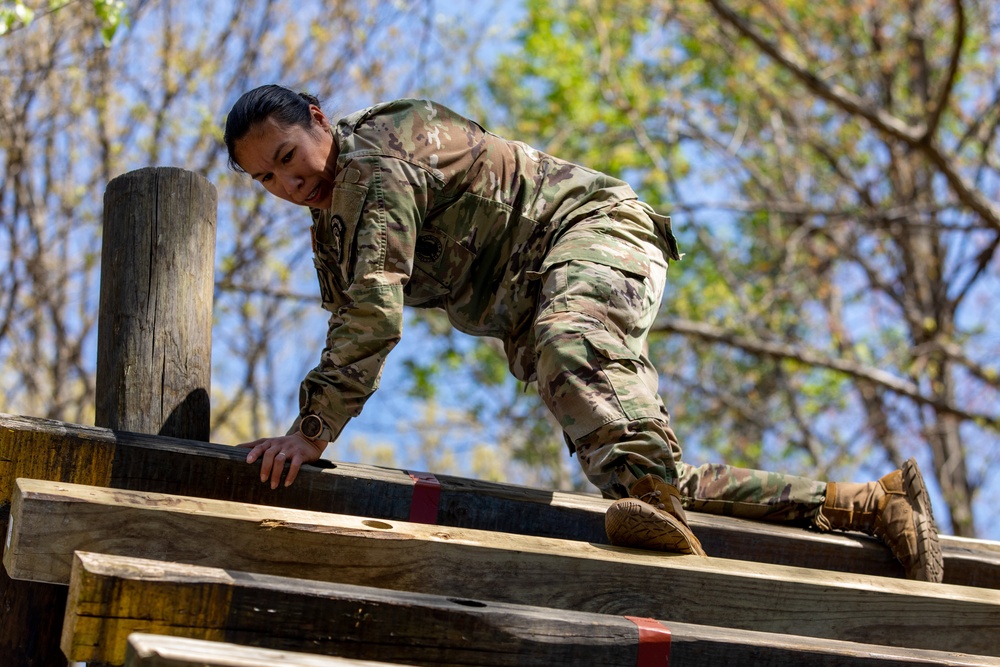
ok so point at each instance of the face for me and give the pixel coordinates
(292, 162)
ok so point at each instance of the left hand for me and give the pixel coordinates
(274, 452)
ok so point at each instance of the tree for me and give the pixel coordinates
(832, 170)
(76, 111)
(16, 15)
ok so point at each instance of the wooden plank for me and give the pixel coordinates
(145, 650)
(31, 612)
(42, 449)
(30, 623)
(52, 520)
(375, 624)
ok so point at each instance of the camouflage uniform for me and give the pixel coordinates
(561, 263)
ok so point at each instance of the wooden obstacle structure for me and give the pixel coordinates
(124, 520)
(135, 542)
(430, 629)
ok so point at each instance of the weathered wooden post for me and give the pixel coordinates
(154, 349)
(153, 356)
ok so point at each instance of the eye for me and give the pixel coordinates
(287, 157)
(265, 178)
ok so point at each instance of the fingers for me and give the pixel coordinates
(293, 470)
(251, 445)
(258, 448)
(266, 457)
(277, 468)
(274, 453)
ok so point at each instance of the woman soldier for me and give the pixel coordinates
(415, 205)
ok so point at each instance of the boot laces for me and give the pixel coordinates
(652, 498)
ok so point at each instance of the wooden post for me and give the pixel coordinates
(155, 323)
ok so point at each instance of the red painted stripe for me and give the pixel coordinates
(426, 495)
(654, 643)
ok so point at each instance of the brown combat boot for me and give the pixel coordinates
(651, 518)
(897, 510)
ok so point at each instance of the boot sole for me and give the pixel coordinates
(632, 523)
(930, 564)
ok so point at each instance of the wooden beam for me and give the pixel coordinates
(42, 449)
(145, 650)
(30, 623)
(50, 521)
(31, 612)
(113, 596)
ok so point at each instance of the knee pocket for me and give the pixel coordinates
(590, 379)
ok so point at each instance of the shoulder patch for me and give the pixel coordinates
(428, 248)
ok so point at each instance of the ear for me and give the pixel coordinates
(319, 117)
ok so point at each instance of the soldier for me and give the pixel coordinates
(413, 204)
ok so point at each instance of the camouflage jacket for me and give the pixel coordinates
(431, 210)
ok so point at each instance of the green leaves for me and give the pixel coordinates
(110, 13)
(814, 228)
(14, 15)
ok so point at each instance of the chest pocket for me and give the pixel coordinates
(440, 265)
(335, 242)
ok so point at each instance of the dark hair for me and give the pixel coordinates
(286, 107)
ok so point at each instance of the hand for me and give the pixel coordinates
(274, 452)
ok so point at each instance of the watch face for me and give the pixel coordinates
(311, 426)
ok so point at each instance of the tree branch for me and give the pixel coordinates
(838, 95)
(956, 55)
(917, 137)
(777, 350)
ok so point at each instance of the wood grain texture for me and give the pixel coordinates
(31, 612)
(154, 341)
(407, 628)
(51, 520)
(145, 650)
(43, 449)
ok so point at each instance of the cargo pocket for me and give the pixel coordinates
(624, 370)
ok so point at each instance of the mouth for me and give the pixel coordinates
(312, 196)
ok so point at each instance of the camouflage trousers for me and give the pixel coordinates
(595, 375)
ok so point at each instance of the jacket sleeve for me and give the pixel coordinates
(363, 247)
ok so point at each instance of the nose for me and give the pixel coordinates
(289, 182)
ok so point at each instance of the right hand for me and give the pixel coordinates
(275, 451)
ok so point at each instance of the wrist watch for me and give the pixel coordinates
(311, 427)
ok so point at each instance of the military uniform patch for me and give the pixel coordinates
(428, 248)
(336, 241)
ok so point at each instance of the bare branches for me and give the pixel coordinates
(786, 351)
(74, 113)
(940, 102)
(919, 136)
(834, 93)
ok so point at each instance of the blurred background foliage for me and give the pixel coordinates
(830, 168)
